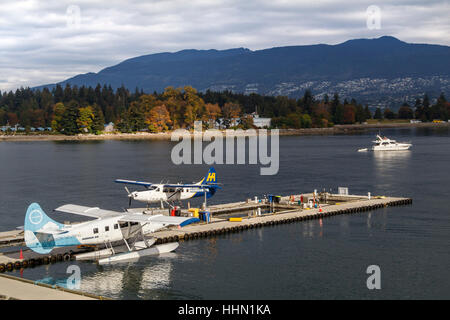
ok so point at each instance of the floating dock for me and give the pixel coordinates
(254, 214)
(284, 213)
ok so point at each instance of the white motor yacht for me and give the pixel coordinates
(386, 144)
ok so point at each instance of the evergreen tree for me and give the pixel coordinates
(58, 93)
(334, 105)
(426, 108)
(388, 114)
(405, 112)
(378, 115)
(368, 114)
(339, 116)
(419, 111)
(360, 115)
(98, 123)
(67, 96)
(134, 118)
(69, 118)
(307, 101)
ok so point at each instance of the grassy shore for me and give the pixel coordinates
(338, 129)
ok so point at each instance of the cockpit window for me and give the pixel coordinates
(124, 225)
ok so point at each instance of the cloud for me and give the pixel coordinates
(45, 41)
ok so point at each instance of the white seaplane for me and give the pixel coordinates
(159, 193)
(43, 234)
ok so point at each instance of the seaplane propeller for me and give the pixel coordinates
(130, 196)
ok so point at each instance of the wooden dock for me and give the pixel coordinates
(11, 238)
(286, 211)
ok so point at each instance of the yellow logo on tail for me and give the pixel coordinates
(211, 177)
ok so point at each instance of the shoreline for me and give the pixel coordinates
(337, 129)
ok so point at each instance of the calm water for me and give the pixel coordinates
(306, 260)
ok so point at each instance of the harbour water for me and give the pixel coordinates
(318, 259)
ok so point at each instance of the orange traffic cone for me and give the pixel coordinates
(21, 254)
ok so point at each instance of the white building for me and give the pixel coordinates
(109, 127)
(261, 122)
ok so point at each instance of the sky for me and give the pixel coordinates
(47, 41)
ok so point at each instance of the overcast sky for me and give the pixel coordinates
(46, 41)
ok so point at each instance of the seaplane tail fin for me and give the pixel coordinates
(39, 230)
(210, 178)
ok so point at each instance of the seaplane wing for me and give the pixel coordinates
(93, 212)
(139, 183)
(193, 185)
(164, 220)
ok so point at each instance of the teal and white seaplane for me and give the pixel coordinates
(43, 234)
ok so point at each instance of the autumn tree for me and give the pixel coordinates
(12, 118)
(246, 122)
(85, 119)
(147, 102)
(211, 115)
(173, 100)
(2, 117)
(37, 118)
(321, 116)
(159, 119)
(230, 112)
(58, 111)
(194, 105)
(349, 114)
(306, 121)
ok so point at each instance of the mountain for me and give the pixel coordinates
(378, 70)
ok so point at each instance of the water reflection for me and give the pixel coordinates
(313, 229)
(156, 276)
(117, 281)
(107, 283)
(385, 159)
(388, 162)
